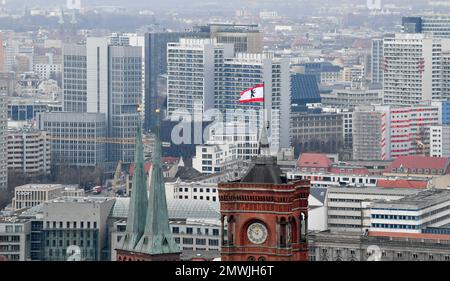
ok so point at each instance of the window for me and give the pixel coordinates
(175, 230)
(215, 232)
(188, 241)
(189, 230)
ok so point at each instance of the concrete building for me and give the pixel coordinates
(14, 239)
(346, 205)
(387, 132)
(412, 68)
(81, 222)
(3, 144)
(377, 61)
(440, 141)
(317, 132)
(190, 74)
(351, 98)
(436, 24)
(348, 246)
(353, 73)
(77, 138)
(47, 71)
(29, 152)
(246, 38)
(30, 195)
(22, 109)
(411, 214)
(192, 191)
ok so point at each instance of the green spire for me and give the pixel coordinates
(138, 201)
(157, 238)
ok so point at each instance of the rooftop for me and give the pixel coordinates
(419, 162)
(41, 187)
(314, 160)
(417, 201)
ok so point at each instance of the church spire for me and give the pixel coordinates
(157, 238)
(138, 201)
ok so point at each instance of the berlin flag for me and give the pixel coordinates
(254, 94)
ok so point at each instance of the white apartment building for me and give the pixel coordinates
(413, 68)
(190, 74)
(351, 97)
(192, 190)
(29, 152)
(440, 141)
(30, 195)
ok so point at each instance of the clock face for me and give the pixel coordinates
(257, 233)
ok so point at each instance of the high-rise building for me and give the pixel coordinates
(100, 77)
(3, 143)
(413, 68)
(156, 65)
(244, 71)
(387, 132)
(190, 74)
(247, 38)
(437, 25)
(377, 61)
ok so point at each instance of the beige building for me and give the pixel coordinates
(29, 152)
(14, 235)
(30, 195)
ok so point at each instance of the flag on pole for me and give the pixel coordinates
(254, 94)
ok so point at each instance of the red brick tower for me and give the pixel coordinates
(265, 217)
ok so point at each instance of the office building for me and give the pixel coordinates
(100, 77)
(304, 90)
(352, 246)
(30, 195)
(29, 152)
(23, 109)
(156, 65)
(346, 206)
(436, 24)
(190, 74)
(440, 141)
(81, 222)
(317, 132)
(412, 68)
(246, 38)
(377, 61)
(411, 214)
(3, 143)
(244, 71)
(350, 98)
(77, 138)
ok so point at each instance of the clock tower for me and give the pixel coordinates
(264, 216)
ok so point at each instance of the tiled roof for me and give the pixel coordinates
(402, 183)
(315, 160)
(419, 162)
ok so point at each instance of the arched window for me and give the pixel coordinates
(261, 259)
(251, 258)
